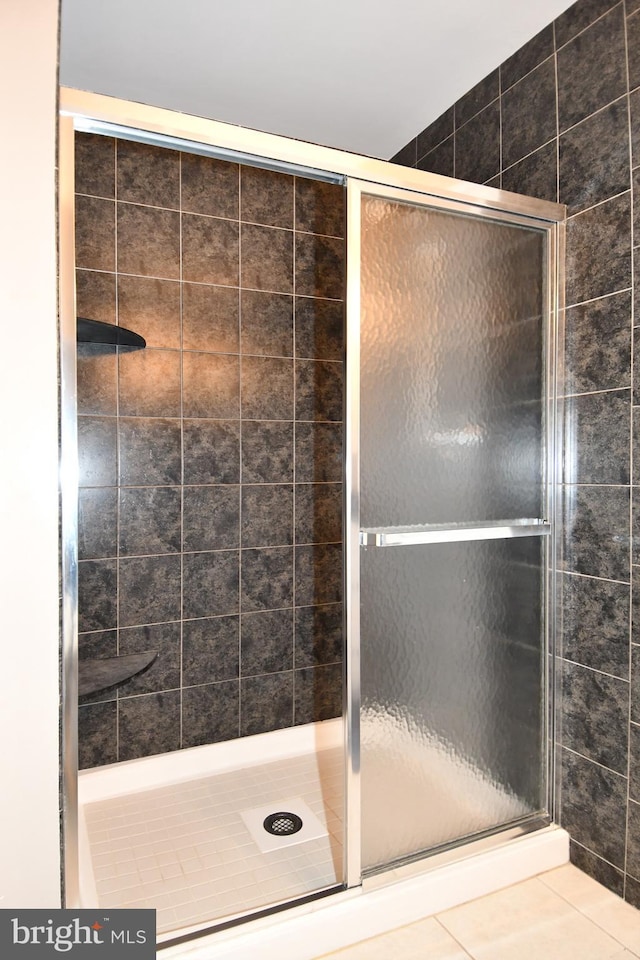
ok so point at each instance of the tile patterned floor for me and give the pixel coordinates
(185, 851)
(559, 915)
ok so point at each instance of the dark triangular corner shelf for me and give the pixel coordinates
(96, 675)
(97, 331)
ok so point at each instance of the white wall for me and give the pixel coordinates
(29, 833)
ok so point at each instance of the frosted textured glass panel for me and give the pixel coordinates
(451, 432)
(451, 370)
(452, 716)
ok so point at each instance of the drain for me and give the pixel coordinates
(282, 824)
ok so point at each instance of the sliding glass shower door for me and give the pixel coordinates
(451, 515)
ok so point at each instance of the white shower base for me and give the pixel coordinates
(118, 804)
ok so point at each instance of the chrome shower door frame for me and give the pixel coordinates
(96, 113)
(356, 537)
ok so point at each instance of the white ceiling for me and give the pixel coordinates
(361, 75)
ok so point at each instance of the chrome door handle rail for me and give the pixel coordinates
(452, 533)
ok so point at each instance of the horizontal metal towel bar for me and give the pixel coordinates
(452, 533)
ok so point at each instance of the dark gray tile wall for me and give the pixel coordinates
(210, 462)
(560, 120)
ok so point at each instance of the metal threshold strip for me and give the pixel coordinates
(452, 533)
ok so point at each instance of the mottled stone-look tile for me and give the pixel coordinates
(319, 328)
(634, 110)
(318, 452)
(95, 165)
(633, 846)
(439, 160)
(477, 98)
(318, 635)
(598, 258)
(95, 233)
(318, 693)
(635, 682)
(598, 345)
(151, 308)
(210, 318)
(318, 574)
(210, 584)
(524, 60)
(595, 623)
(267, 258)
(598, 425)
(210, 250)
(97, 734)
(633, 49)
(149, 590)
(149, 520)
(149, 383)
(632, 893)
(596, 531)
(267, 642)
(97, 451)
(477, 146)
(149, 451)
(210, 186)
(210, 385)
(96, 379)
(579, 16)
(266, 197)
(594, 158)
(97, 523)
(586, 787)
(148, 174)
(267, 515)
(320, 263)
(635, 603)
(148, 241)
(210, 713)
(96, 296)
(164, 672)
(595, 710)
(591, 69)
(266, 578)
(148, 725)
(97, 595)
(210, 650)
(267, 703)
(320, 207)
(634, 762)
(529, 113)
(435, 133)
(267, 451)
(535, 175)
(267, 388)
(267, 323)
(211, 450)
(211, 517)
(318, 512)
(318, 390)
(405, 156)
(597, 868)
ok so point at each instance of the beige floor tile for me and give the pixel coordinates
(617, 918)
(424, 940)
(527, 921)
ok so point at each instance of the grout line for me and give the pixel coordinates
(240, 449)
(585, 666)
(596, 763)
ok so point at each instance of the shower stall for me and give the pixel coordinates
(310, 454)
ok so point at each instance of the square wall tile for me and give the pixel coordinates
(211, 451)
(598, 258)
(97, 734)
(210, 650)
(210, 385)
(267, 323)
(149, 383)
(596, 531)
(210, 186)
(598, 345)
(210, 318)
(267, 451)
(267, 703)
(318, 693)
(151, 308)
(267, 515)
(210, 584)
(319, 637)
(477, 146)
(267, 642)
(148, 174)
(587, 786)
(150, 451)
(320, 207)
(149, 725)
(267, 258)
(592, 69)
(97, 522)
(148, 241)
(595, 623)
(595, 716)
(210, 250)
(266, 578)
(97, 451)
(319, 266)
(267, 388)
(211, 517)
(210, 713)
(95, 233)
(529, 113)
(149, 521)
(266, 197)
(149, 590)
(95, 165)
(594, 158)
(97, 608)
(164, 672)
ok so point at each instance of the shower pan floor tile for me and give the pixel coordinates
(184, 850)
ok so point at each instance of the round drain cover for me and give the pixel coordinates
(282, 824)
